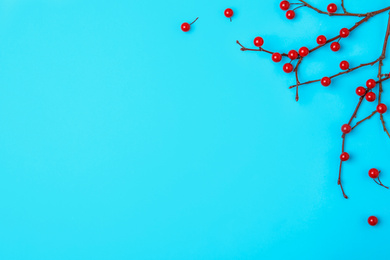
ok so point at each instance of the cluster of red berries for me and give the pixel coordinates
(290, 14)
(185, 27)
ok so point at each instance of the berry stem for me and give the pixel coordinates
(380, 183)
(194, 20)
(342, 6)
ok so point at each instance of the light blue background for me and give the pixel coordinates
(122, 137)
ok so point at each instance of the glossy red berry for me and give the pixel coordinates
(370, 97)
(372, 220)
(335, 46)
(228, 13)
(258, 41)
(346, 128)
(288, 67)
(344, 156)
(370, 83)
(321, 39)
(292, 54)
(381, 108)
(276, 57)
(185, 27)
(290, 14)
(344, 65)
(373, 173)
(304, 51)
(360, 91)
(284, 5)
(325, 81)
(344, 33)
(332, 8)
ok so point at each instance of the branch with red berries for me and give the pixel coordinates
(364, 93)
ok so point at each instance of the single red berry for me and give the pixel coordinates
(344, 33)
(344, 156)
(185, 27)
(276, 57)
(321, 39)
(284, 5)
(288, 67)
(228, 13)
(293, 54)
(381, 108)
(373, 173)
(360, 91)
(370, 83)
(332, 8)
(370, 97)
(346, 128)
(290, 14)
(335, 46)
(258, 41)
(372, 220)
(344, 65)
(325, 81)
(304, 51)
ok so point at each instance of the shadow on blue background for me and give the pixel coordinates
(124, 138)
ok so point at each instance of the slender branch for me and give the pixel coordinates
(361, 121)
(259, 49)
(342, 5)
(380, 183)
(345, 11)
(297, 79)
(194, 20)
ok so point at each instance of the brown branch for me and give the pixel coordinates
(297, 79)
(345, 11)
(380, 183)
(342, 5)
(361, 121)
(259, 49)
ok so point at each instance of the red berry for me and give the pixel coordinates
(185, 27)
(346, 129)
(258, 41)
(276, 57)
(284, 5)
(360, 91)
(288, 67)
(344, 33)
(332, 8)
(321, 39)
(370, 97)
(325, 81)
(228, 13)
(381, 108)
(293, 54)
(335, 46)
(373, 173)
(304, 51)
(370, 83)
(344, 65)
(344, 156)
(290, 14)
(372, 220)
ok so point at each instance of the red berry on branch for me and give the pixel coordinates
(344, 65)
(304, 51)
(325, 81)
(258, 41)
(346, 129)
(290, 14)
(370, 83)
(360, 91)
(344, 33)
(284, 5)
(373, 173)
(335, 46)
(381, 108)
(370, 97)
(332, 8)
(344, 156)
(276, 57)
(372, 220)
(228, 13)
(293, 54)
(321, 39)
(288, 67)
(185, 27)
